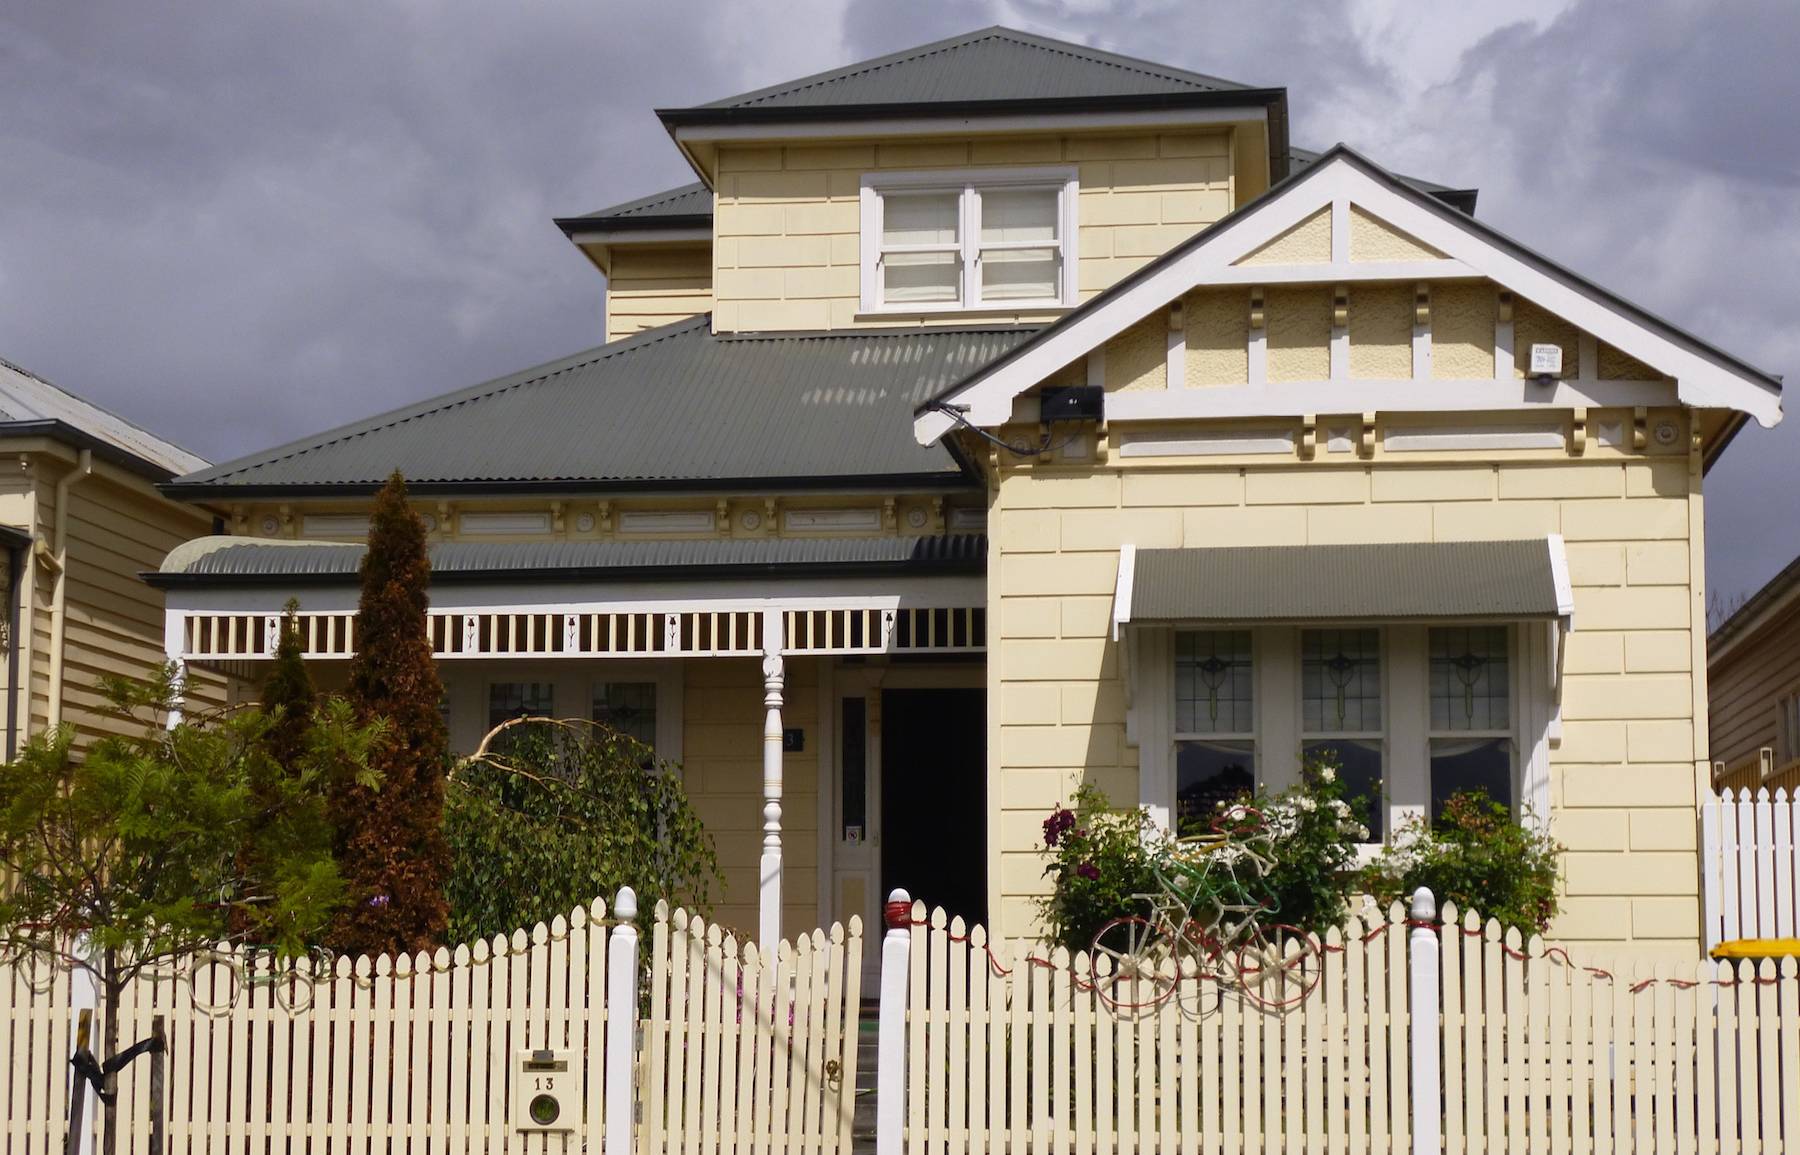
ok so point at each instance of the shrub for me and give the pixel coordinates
(1289, 857)
(1099, 858)
(1476, 856)
(562, 813)
(1313, 834)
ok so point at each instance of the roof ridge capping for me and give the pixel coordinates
(1706, 375)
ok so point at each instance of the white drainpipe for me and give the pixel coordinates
(59, 620)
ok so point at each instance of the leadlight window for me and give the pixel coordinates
(1341, 714)
(1472, 725)
(1215, 722)
(947, 241)
(629, 708)
(509, 700)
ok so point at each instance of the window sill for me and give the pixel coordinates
(988, 311)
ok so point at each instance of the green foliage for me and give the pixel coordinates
(568, 812)
(1476, 856)
(1313, 834)
(1289, 857)
(129, 857)
(288, 705)
(1099, 858)
(391, 848)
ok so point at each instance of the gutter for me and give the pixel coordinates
(60, 430)
(575, 487)
(59, 616)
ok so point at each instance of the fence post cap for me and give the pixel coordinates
(898, 911)
(625, 905)
(1424, 906)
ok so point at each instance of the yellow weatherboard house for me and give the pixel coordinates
(1003, 415)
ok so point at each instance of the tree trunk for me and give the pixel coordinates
(113, 988)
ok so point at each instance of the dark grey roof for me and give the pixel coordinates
(992, 65)
(1774, 592)
(672, 408)
(1311, 583)
(690, 205)
(1301, 159)
(218, 561)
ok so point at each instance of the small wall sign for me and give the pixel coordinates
(793, 741)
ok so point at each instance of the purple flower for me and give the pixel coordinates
(1059, 823)
(1088, 871)
(378, 901)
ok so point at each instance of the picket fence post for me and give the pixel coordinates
(621, 1022)
(1427, 1106)
(890, 1053)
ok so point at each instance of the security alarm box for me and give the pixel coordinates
(545, 1097)
(1071, 403)
(1546, 360)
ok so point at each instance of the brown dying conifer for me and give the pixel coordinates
(392, 848)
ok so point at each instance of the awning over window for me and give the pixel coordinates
(1426, 581)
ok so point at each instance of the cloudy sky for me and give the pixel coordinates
(239, 223)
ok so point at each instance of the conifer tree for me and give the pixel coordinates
(289, 703)
(393, 852)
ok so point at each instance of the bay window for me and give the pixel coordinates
(952, 241)
(1410, 715)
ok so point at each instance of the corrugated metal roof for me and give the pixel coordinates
(673, 407)
(27, 399)
(1301, 159)
(991, 64)
(1315, 583)
(229, 560)
(689, 200)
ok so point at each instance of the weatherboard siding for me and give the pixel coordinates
(786, 252)
(1623, 779)
(651, 285)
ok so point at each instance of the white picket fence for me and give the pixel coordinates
(1750, 865)
(421, 1055)
(1452, 1037)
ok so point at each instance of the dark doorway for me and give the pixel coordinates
(934, 798)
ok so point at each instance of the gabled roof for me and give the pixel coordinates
(687, 206)
(31, 405)
(237, 561)
(1301, 159)
(990, 64)
(673, 408)
(1707, 376)
(1780, 592)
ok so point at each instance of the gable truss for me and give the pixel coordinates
(1225, 255)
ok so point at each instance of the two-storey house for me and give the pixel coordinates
(1004, 414)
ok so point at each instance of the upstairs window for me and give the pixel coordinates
(948, 241)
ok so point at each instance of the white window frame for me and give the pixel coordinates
(969, 184)
(1252, 736)
(1516, 688)
(1382, 736)
(1406, 708)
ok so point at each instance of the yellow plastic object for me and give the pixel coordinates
(1758, 948)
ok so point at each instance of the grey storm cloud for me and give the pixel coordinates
(238, 224)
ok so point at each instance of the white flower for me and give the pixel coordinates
(1327, 774)
(1307, 804)
(1339, 807)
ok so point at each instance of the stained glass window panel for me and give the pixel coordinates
(1471, 679)
(629, 708)
(1340, 681)
(1213, 685)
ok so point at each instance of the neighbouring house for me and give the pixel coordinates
(80, 518)
(1004, 414)
(1753, 689)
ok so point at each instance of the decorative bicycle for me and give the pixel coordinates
(1207, 922)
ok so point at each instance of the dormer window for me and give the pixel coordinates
(950, 241)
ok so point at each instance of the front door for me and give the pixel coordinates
(934, 798)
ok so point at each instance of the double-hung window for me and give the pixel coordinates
(1472, 722)
(1341, 719)
(950, 241)
(1215, 723)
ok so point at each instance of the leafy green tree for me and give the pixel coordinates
(391, 848)
(128, 858)
(560, 812)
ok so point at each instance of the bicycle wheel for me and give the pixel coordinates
(1132, 964)
(1279, 967)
